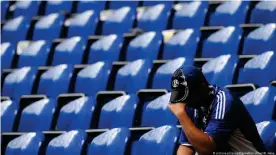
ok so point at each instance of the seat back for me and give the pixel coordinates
(267, 131)
(264, 12)
(26, 8)
(7, 53)
(58, 6)
(8, 112)
(95, 5)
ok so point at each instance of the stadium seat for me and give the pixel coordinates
(267, 131)
(220, 70)
(190, 15)
(113, 141)
(37, 116)
(19, 82)
(164, 72)
(55, 80)
(8, 112)
(260, 70)
(87, 81)
(69, 51)
(221, 42)
(58, 6)
(182, 44)
(144, 46)
(133, 76)
(68, 143)
(154, 18)
(159, 141)
(26, 8)
(234, 11)
(152, 3)
(260, 40)
(83, 24)
(48, 27)
(119, 4)
(18, 27)
(7, 53)
(4, 9)
(119, 21)
(95, 5)
(35, 54)
(156, 108)
(118, 112)
(260, 103)
(76, 114)
(107, 48)
(264, 12)
(26, 144)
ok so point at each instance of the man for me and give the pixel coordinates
(212, 119)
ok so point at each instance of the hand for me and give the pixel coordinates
(178, 109)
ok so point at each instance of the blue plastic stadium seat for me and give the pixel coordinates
(164, 72)
(118, 112)
(113, 141)
(151, 3)
(35, 55)
(55, 80)
(83, 24)
(154, 18)
(264, 12)
(87, 81)
(190, 15)
(107, 48)
(68, 143)
(160, 141)
(234, 11)
(119, 21)
(156, 108)
(144, 46)
(69, 51)
(182, 44)
(19, 82)
(260, 103)
(221, 42)
(259, 70)
(37, 116)
(58, 6)
(267, 131)
(95, 5)
(26, 8)
(48, 27)
(26, 144)
(133, 76)
(15, 29)
(260, 40)
(119, 4)
(76, 114)
(4, 9)
(7, 53)
(8, 114)
(220, 70)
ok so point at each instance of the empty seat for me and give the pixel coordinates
(118, 112)
(260, 70)
(19, 82)
(55, 80)
(260, 103)
(234, 11)
(267, 131)
(164, 73)
(119, 21)
(87, 81)
(26, 144)
(83, 24)
(8, 114)
(260, 40)
(264, 12)
(26, 8)
(37, 116)
(154, 18)
(97, 6)
(7, 53)
(113, 141)
(35, 54)
(160, 141)
(133, 76)
(144, 46)
(221, 42)
(48, 27)
(68, 143)
(220, 71)
(182, 44)
(15, 29)
(107, 48)
(69, 51)
(190, 15)
(58, 6)
(119, 4)
(4, 9)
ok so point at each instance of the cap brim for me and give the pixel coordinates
(177, 96)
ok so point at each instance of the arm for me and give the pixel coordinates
(184, 150)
